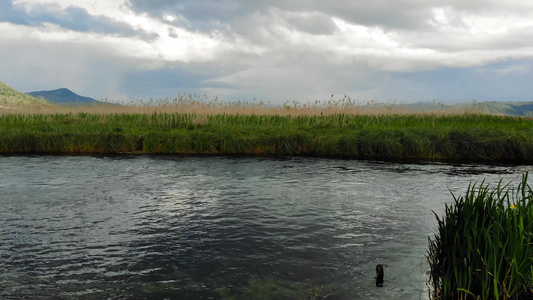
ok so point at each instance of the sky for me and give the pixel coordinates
(278, 50)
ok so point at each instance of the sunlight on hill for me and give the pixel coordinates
(13, 99)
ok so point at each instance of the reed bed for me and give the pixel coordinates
(396, 136)
(196, 104)
(484, 244)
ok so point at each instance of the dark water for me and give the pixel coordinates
(77, 227)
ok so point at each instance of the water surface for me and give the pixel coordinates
(142, 227)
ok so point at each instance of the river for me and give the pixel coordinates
(188, 227)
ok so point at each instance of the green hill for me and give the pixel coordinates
(12, 97)
(523, 109)
(502, 108)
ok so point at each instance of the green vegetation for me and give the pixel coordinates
(464, 137)
(483, 246)
(12, 97)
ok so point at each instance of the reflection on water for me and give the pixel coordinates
(76, 227)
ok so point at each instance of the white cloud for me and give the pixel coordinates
(455, 36)
(288, 45)
(169, 17)
(188, 46)
(115, 9)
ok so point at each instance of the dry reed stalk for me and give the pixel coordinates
(217, 107)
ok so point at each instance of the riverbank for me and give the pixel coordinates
(466, 137)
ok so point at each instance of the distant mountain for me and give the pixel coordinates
(64, 97)
(523, 109)
(11, 97)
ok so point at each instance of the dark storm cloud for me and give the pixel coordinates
(15, 15)
(402, 14)
(73, 18)
(203, 15)
(76, 18)
(211, 13)
(195, 10)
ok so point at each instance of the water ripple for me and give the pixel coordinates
(162, 227)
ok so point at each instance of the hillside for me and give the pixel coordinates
(519, 109)
(64, 97)
(11, 97)
(523, 109)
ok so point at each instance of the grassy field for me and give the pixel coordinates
(265, 130)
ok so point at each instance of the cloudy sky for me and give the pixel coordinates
(278, 50)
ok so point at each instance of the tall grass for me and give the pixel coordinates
(198, 104)
(483, 248)
(459, 137)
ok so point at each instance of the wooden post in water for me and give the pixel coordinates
(379, 275)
